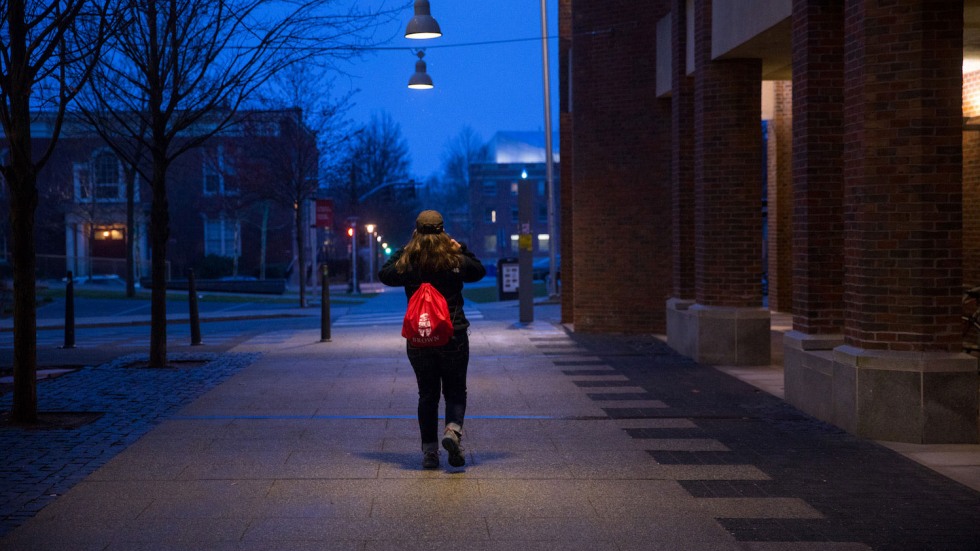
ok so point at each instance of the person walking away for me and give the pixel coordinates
(432, 256)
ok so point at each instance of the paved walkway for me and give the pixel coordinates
(573, 442)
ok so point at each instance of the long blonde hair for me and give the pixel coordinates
(429, 252)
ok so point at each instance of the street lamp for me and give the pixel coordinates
(370, 235)
(420, 80)
(423, 26)
(355, 286)
(548, 155)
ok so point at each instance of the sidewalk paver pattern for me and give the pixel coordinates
(573, 442)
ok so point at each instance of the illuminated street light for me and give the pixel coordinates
(371, 260)
(423, 26)
(420, 80)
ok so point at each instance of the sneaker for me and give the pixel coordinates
(430, 460)
(450, 441)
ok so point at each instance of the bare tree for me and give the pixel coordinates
(47, 51)
(466, 148)
(380, 154)
(185, 68)
(129, 144)
(313, 128)
(463, 150)
(373, 180)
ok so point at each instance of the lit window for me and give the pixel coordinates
(108, 234)
(544, 242)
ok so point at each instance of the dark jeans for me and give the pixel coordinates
(441, 370)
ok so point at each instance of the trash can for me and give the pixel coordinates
(508, 278)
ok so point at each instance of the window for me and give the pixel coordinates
(490, 189)
(212, 180)
(221, 237)
(515, 215)
(514, 188)
(543, 214)
(489, 215)
(106, 176)
(82, 186)
(99, 179)
(215, 173)
(490, 244)
(544, 242)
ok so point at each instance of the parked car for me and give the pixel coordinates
(541, 268)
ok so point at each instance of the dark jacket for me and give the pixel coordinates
(449, 282)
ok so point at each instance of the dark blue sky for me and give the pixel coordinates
(489, 87)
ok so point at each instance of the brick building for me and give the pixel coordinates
(516, 158)
(223, 218)
(868, 174)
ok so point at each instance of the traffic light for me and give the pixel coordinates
(350, 232)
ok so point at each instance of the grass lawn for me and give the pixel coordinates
(489, 294)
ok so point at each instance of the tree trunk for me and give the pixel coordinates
(22, 184)
(23, 202)
(91, 242)
(264, 239)
(159, 234)
(130, 233)
(301, 254)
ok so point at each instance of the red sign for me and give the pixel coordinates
(324, 213)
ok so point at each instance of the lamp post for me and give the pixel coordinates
(370, 237)
(548, 155)
(352, 231)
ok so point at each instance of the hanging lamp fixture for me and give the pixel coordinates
(420, 80)
(422, 25)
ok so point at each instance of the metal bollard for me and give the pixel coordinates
(70, 312)
(324, 306)
(192, 303)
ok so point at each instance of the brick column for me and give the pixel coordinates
(971, 179)
(818, 221)
(779, 160)
(727, 324)
(899, 375)
(971, 207)
(682, 154)
(727, 175)
(682, 180)
(621, 180)
(567, 149)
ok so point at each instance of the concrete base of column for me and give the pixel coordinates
(808, 372)
(916, 397)
(719, 335)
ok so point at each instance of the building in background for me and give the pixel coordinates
(517, 158)
(224, 218)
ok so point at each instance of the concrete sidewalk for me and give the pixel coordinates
(572, 443)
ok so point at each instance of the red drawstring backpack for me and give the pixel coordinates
(427, 321)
